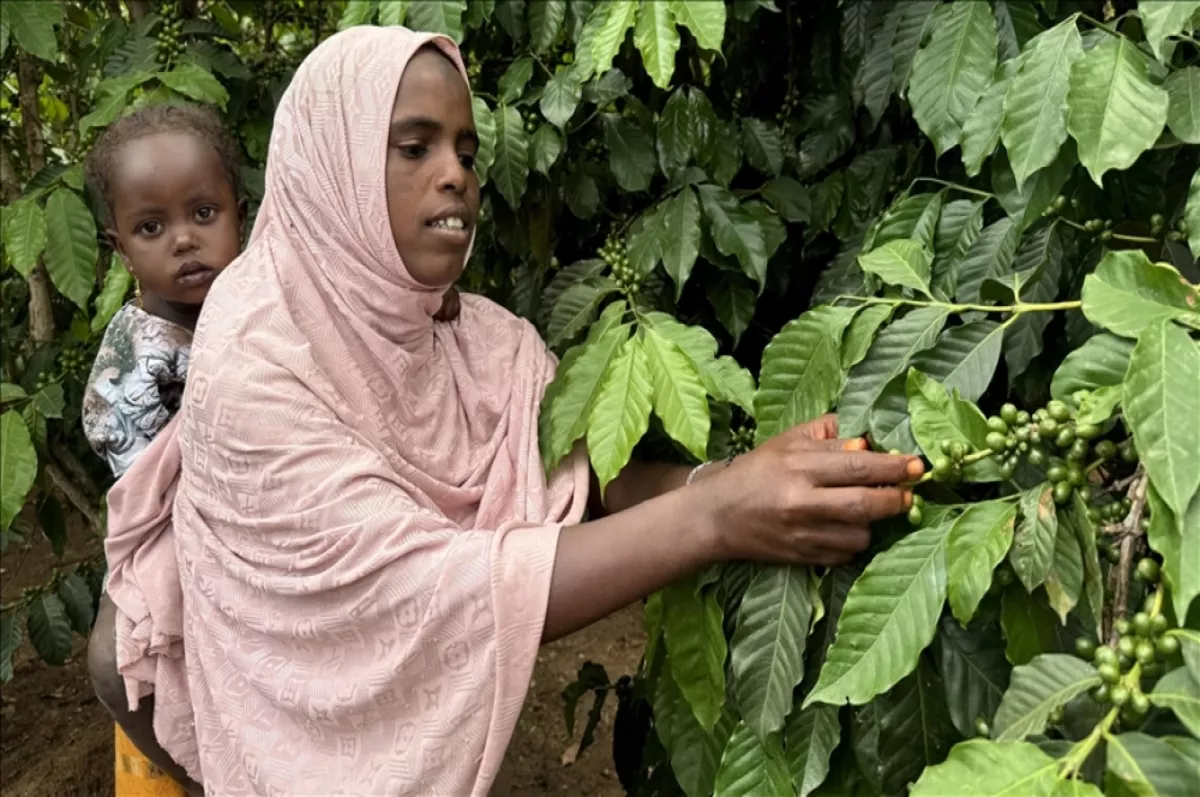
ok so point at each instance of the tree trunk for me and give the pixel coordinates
(41, 318)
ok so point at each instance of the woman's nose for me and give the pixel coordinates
(452, 175)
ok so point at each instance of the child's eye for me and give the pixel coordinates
(468, 161)
(206, 212)
(150, 227)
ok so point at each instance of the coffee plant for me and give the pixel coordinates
(969, 228)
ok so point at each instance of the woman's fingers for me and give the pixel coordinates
(855, 505)
(839, 537)
(846, 468)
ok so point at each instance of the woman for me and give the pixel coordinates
(369, 551)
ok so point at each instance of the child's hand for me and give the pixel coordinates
(450, 306)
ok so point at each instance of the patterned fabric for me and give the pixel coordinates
(135, 385)
(363, 532)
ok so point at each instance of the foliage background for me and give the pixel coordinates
(669, 186)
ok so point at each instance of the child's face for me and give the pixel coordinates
(177, 221)
(431, 170)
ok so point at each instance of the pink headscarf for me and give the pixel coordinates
(363, 530)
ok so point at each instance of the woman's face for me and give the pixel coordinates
(432, 188)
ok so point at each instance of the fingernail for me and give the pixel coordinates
(907, 499)
(915, 468)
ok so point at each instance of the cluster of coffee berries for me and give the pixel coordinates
(947, 466)
(1101, 227)
(916, 512)
(1180, 233)
(743, 439)
(1143, 642)
(531, 120)
(614, 254)
(790, 100)
(1056, 206)
(167, 46)
(473, 70)
(71, 361)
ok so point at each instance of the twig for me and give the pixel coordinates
(75, 495)
(1127, 533)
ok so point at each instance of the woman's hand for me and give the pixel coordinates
(450, 306)
(805, 497)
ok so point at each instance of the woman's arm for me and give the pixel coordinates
(799, 499)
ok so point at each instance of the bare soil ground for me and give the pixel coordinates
(57, 741)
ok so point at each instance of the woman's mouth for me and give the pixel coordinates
(453, 229)
(193, 274)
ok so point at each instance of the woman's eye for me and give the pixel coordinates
(413, 151)
(468, 161)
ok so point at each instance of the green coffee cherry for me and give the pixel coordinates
(1166, 646)
(915, 516)
(1123, 627)
(1141, 624)
(1109, 673)
(1085, 647)
(1159, 624)
(981, 727)
(1127, 646)
(1009, 413)
(1145, 652)
(1063, 492)
(1148, 570)
(997, 442)
(1119, 695)
(1139, 704)
(1058, 411)
(1104, 655)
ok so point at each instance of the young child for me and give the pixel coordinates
(167, 178)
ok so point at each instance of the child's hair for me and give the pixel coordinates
(152, 120)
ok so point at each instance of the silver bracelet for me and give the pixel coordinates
(696, 470)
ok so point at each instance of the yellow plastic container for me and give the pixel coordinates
(136, 776)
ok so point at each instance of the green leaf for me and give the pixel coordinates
(1149, 766)
(1180, 693)
(11, 392)
(873, 80)
(1191, 214)
(195, 82)
(827, 200)
(612, 85)
(991, 255)
(618, 17)
(24, 235)
(1085, 535)
(752, 767)
(53, 523)
(1189, 642)
(10, 640)
(951, 72)
(957, 228)
(981, 130)
(976, 673)
(1035, 108)
(511, 168)
(888, 356)
(546, 148)
(723, 378)
(631, 153)
(1180, 551)
(696, 648)
(20, 466)
(657, 40)
(392, 12)
(545, 21)
(357, 12)
(1162, 408)
(733, 298)
(680, 399)
(1029, 625)
(1099, 406)
(789, 198)
(1048, 682)
(485, 128)
(763, 145)
(560, 98)
(902, 262)
(1034, 542)
(802, 371)
(31, 23)
(582, 195)
(49, 400)
(568, 402)
(515, 78)
(979, 541)
(71, 249)
(735, 232)
(577, 307)
(694, 752)
(1101, 362)
(681, 245)
(112, 97)
(1163, 20)
(676, 136)
(49, 629)
(768, 647)
(1116, 112)
(861, 333)
(438, 16)
(964, 357)
(621, 412)
(939, 414)
(890, 616)
(982, 768)
(913, 217)
(811, 735)
(705, 20)
(1026, 203)
(1183, 114)
(911, 20)
(76, 596)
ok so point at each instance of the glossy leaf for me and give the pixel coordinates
(545, 21)
(681, 245)
(982, 768)
(952, 71)
(392, 12)
(735, 232)
(20, 466)
(1180, 551)
(545, 149)
(768, 647)
(861, 333)
(71, 249)
(991, 255)
(49, 629)
(733, 298)
(631, 153)
(621, 412)
(680, 399)
(24, 235)
(76, 597)
(618, 17)
(514, 80)
(31, 23)
(752, 767)
(485, 128)
(1101, 362)
(1163, 20)
(195, 82)
(676, 135)
(705, 20)
(811, 735)
(1029, 625)
(902, 262)
(560, 98)
(1192, 214)
(789, 198)
(981, 130)
(1025, 203)
(576, 308)
(1115, 112)
(957, 228)
(964, 357)
(511, 167)
(1035, 107)
(695, 753)
(890, 616)
(888, 356)
(696, 648)
(1033, 547)
(1179, 692)
(911, 21)
(1162, 408)
(979, 540)
(975, 672)
(1183, 113)
(438, 16)
(802, 371)
(1149, 766)
(763, 145)
(723, 378)
(939, 414)
(1048, 682)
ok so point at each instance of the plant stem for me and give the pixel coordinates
(1074, 760)
(1133, 239)
(1118, 577)
(1098, 24)
(1019, 308)
(956, 186)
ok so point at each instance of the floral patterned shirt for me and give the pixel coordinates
(135, 386)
